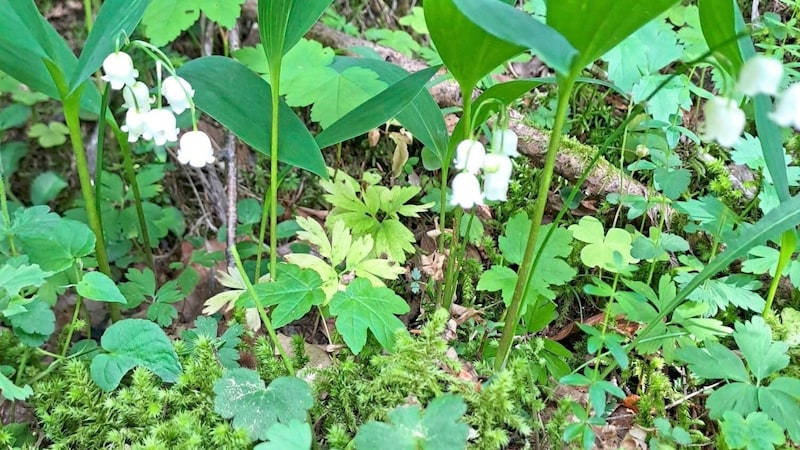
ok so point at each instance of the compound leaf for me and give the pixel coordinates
(294, 290)
(764, 357)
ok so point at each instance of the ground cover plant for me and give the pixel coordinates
(442, 224)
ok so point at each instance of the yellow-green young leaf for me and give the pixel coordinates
(602, 247)
(165, 20)
(50, 135)
(223, 12)
(13, 392)
(295, 435)
(755, 432)
(341, 243)
(131, 343)
(242, 396)
(363, 307)
(314, 235)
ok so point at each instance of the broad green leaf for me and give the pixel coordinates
(512, 242)
(131, 343)
(114, 23)
(741, 397)
(594, 27)
(295, 435)
(498, 278)
(294, 291)
(718, 24)
(38, 321)
(363, 307)
(162, 314)
(242, 396)
(219, 85)
(223, 12)
(12, 392)
(64, 244)
(602, 248)
(28, 37)
(377, 110)
(513, 26)
(764, 357)
(757, 432)
(11, 153)
(395, 39)
(407, 429)
(714, 362)
(164, 20)
(13, 116)
(45, 187)
(281, 23)
(99, 287)
(781, 401)
(468, 51)
(422, 117)
(13, 279)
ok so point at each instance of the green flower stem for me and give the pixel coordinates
(527, 267)
(261, 312)
(72, 106)
(4, 208)
(788, 245)
(262, 228)
(275, 83)
(130, 174)
(75, 314)
(450, 273)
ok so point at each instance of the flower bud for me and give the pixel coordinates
(787, 108)
(724, 121)
(469, 156)
(178, 92)
(497, 176)
(195, 149)
(760, 75)
(137, 96)
(119, 71)
(505, 142)
(466, 191)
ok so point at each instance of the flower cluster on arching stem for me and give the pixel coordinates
(147, 119)
(725, 121)
(472, 159)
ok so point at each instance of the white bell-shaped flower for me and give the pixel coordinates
(496, 177)
(469, 156)
(724, 121)
(134, 124)
(160, 126)
(178, 92)
(505, 142)
(787, 108)
(760, 75)
(195, 149)
(137, 96)
(466, 191)
(119, 71)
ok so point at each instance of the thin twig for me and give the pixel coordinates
(693, 394)
(229, 154)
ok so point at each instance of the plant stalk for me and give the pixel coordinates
(788, 245)
(527, 267)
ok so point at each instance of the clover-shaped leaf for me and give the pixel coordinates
(603, 247)
(242, 395)
(50, 135)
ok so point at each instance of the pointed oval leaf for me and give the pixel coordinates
(594, 27)
(239, 99)
(281, 23)
(469, 52)
(377, 110)
(505, 22)
(115, 21)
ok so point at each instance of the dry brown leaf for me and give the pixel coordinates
(433, 265)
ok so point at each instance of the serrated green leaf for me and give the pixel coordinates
(165, 20)
(764, 357)
(714, 362)
(38, 319)
(294, 291)
(781, 401)
(672, 182)
(13, 392)
(242, 396)
(64, 244)
(14, 278)
(364, 307)
(512, 242)
(498, 278)
(438, 429)
(45, 187)
(223, 12)
(162, 314)
(99, 287)
(738, 396)
(757, 432)
(131, 343)
(762, 259)
(602, 247)
(295, 435)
